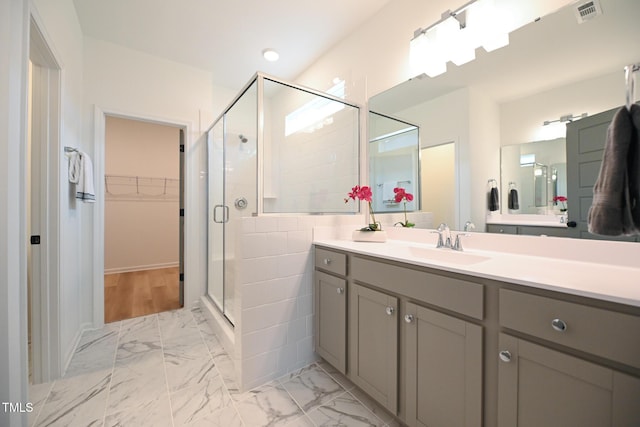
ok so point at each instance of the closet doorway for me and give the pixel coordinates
(143, 222)
(438, 165)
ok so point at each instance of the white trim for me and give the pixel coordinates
(141, 268)
(46, 325)
(191, 270)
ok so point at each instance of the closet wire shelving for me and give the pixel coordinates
(141, 188)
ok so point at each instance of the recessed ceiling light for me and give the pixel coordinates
(270, 55)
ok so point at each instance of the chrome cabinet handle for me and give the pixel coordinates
(327, 261)
(558, 325)
(408, 318)
(340, 291)
(505, 356)
(390, 310)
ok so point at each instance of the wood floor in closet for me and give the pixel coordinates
(138, 293)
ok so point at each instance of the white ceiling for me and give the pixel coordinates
(227, 37)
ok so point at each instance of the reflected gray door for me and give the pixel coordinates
(585, 147)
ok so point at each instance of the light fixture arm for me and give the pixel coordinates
(459, 14)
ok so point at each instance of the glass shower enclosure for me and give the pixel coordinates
(277, 149)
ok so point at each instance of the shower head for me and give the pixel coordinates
(242, 138)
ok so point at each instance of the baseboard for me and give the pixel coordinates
(141, 268)
(66, 360)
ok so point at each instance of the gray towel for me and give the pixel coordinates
(633, 168)
(610, 212)
(493, 199)
(513, 203)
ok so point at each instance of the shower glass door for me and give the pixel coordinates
(216, 213)
(233, 170)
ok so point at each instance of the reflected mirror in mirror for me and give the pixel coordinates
(532, 175)
(503, 97)
(393, 162)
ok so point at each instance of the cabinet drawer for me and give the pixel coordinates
(500, 228)
(442, 291)
(334, 262)
(615, 336)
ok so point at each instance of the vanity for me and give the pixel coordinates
(477, 338)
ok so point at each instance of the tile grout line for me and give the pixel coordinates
(37, 417)
(164, 368)
(384, 423)
(113, 366)
(215, 365)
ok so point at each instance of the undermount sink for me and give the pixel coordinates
(447, 255)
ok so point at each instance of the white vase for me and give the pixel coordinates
(369, 236)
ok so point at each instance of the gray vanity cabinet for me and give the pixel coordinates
(443, 362)
(539, 386)
(373, 344)
(544, 385)
(330, 303)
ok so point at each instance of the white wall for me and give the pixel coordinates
(142, 219)
(13, 71)
(521, 120)
(123, 81)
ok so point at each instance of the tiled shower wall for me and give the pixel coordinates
(274, 331)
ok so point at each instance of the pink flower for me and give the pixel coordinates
(401, 194)
(355, 191)
(360, 193)
(365, 194)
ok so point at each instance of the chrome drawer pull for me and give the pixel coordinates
(505, 356)
(390, 310)
(408, 318)
(558, 325)
(340, 291)
(327, 261)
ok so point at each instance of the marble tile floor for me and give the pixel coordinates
(169, 369)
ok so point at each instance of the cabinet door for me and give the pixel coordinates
(538, 386)
(331, 319)
(373, 344)
(443, 357)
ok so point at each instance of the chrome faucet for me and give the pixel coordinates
(468, 226)
(444, 236)
(457, 246)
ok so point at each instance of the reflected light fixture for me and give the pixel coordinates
(478, 23)
(565, 118)
(270, 55)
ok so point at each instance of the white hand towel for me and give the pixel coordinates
(81, 174)
(388, 194)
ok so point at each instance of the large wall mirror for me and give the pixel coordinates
(394, 162)
(534, 177)
(552, 68)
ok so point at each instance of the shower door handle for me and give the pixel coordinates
(225, 214)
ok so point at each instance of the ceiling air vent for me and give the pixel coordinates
(588, 10)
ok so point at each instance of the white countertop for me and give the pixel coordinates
(527, 219)
(615, 283)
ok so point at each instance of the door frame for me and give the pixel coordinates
(45, 308)
(187, 184)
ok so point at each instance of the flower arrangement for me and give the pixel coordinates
(561, 199)
(402, 196)
(364, 193)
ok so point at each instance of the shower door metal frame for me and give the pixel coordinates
(259, 79)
